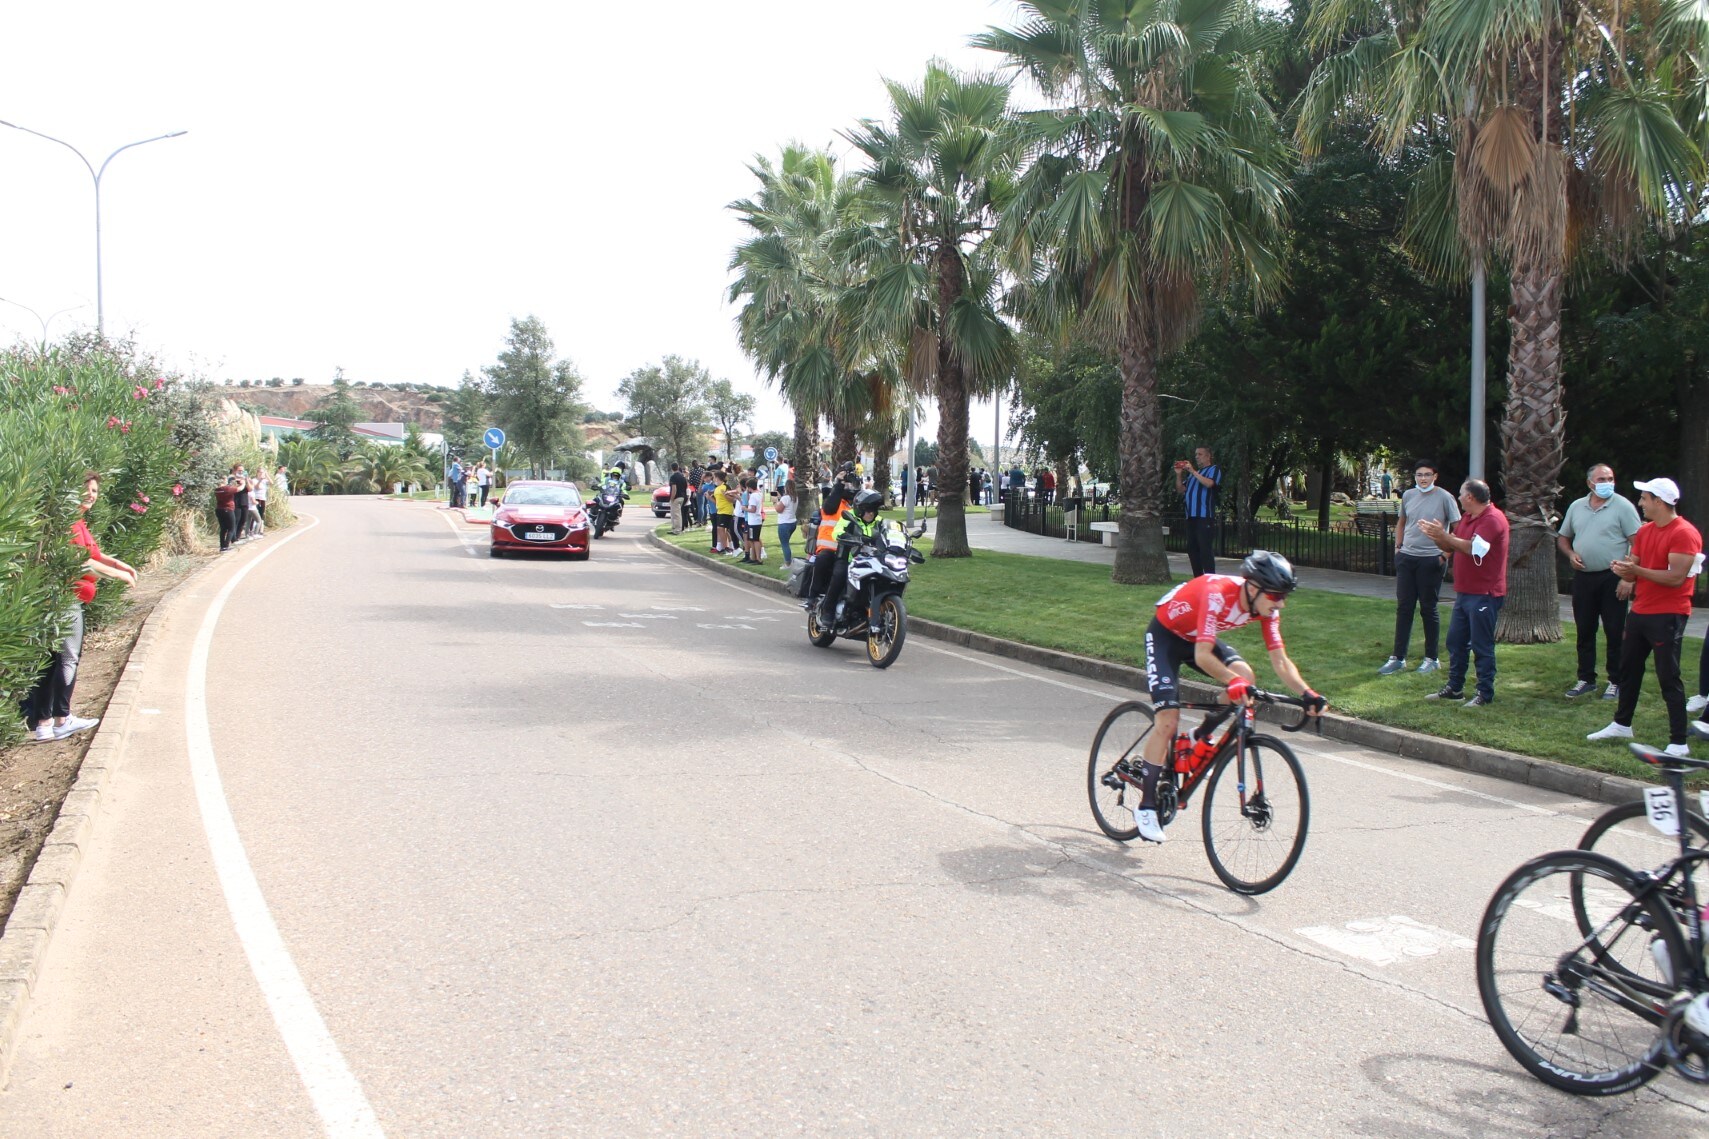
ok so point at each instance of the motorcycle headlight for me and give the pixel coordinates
(896, 561)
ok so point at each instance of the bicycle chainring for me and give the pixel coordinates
(1166, 800)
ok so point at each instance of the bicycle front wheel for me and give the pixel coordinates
(1255, 816)
(1116, 751)
(1581, 1012)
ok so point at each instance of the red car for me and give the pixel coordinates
(540, 515)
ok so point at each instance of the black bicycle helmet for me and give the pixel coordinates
(1270, 572)
(868, 500)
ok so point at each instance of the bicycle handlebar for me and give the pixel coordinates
(1264, 697)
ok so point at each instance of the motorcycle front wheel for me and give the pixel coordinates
(884, 646)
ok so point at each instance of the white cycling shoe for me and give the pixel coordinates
(1149, 828)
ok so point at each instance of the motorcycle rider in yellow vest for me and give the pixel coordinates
(858, 524)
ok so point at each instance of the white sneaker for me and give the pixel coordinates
(1678, 751)
(72, 726)
(1700, 729)
(1697, 704)
(43, 733)
(1612, 732)
(1149, 828)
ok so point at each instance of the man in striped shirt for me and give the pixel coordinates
(1199, 488)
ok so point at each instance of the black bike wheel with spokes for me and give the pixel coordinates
(884, 646)
(1116, 749)
(1624, 834)
(1580, 1012)
(1255, 816)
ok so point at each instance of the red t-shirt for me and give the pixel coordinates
(80, 536)
(225, 497)
(1209, 604)
(1485, 576)
(1651, 546)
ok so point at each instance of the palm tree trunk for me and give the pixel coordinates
(806, 459)
(1140, 555)
(883, 448)
(844, 445)
(949, 538)
(1532, 441)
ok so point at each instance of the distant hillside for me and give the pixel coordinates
(383, 405)
(379, 405)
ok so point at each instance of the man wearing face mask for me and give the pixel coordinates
(1419, 566)
(1596, 532)
(1479, 546)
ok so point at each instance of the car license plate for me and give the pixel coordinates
(533, 537)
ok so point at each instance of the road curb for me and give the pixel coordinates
(1548, 774)
(30, 927)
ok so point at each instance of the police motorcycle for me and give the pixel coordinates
(871, 609)
(607, 505)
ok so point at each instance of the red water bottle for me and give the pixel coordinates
(1183, 753)
(1203, 749)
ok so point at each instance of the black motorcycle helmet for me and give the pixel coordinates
(868, 500)
(1270, 572)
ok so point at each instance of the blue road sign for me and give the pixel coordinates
(771, 454)
(494, 438)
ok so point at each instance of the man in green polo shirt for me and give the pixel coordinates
(1596, 532)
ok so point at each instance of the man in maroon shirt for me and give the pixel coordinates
(1667, 552)
(1479, 546)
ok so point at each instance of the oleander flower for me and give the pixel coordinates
(139, 508)
(140, 393)
(142, 498)
(178, 490)
(57, 390)
(125, 427)
(112, 421)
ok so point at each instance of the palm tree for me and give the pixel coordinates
(1563, 127)
(383, 466)
(942, 170)
(313, 463)
(791, 283)
(1162, 167)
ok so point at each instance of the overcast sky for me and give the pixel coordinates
(382, 186)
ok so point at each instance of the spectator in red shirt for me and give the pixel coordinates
(1667, 552)
(1479, 546)
(47, 708)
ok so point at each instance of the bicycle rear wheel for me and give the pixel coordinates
(1255, 816)
(1624, 834)
(1580, 1012)
(1116, 750)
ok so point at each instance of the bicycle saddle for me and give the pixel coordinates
(1656, 757)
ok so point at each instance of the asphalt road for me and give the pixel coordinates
(607, 848)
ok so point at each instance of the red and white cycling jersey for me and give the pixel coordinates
(1199, 609)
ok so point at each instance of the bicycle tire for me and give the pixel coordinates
(1255, 845)
(1125, 729)
(1610, 822)
(1564, 1013)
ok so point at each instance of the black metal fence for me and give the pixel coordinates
(1364, 545)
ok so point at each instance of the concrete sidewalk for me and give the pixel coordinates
(986, 533)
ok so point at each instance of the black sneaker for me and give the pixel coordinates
(1582, 688)
(1446, 693)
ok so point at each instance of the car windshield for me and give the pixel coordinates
(542, 496)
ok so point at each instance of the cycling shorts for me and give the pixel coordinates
(1165, 653)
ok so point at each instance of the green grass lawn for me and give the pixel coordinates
(1338, 641)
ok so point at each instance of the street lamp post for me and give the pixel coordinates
(95, 175)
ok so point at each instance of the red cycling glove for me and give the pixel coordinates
(1239, 688)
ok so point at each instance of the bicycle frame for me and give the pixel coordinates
(1174, 792)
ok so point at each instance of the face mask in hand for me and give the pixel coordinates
(1604, 490)
(1479, 546)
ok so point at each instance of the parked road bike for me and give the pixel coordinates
(1592, 969)
(1256, 807)
(606, 508)
(872, 608)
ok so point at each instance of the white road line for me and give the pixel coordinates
(337, 1097)
(1105, 694)
(467, 548)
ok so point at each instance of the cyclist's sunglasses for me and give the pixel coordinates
(1273, 596)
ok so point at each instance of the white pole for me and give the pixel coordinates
(912, 468)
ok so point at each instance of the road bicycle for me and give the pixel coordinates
(1256, 807)
(1589, 968)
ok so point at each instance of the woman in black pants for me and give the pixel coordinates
(225, 510)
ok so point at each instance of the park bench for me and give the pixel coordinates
(1111, 531)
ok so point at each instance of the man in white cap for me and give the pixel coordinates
(1667, 554)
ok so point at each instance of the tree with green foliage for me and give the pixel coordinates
(729, 409)
(1160, 167)
(941, 171)
(466, 417)
(536, 396)
(335, 413)
(668, 403)
(1561, 130)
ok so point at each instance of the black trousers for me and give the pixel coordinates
(1417, 585)
(1201, 545)
(1595, 602)
(50, 696)
(1662, 634)
(228, 526)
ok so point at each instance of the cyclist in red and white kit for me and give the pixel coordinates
(1184, 631)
